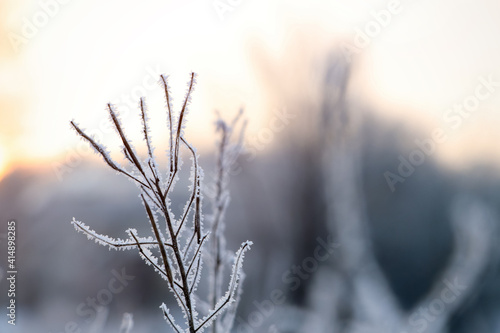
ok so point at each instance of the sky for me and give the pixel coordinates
(64, 60)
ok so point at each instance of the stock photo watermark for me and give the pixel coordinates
(31, 26)
(222, 7)
(277, 123)
(380, 20)
(88, 310)
(292, 278)
(265, 136)
(11, 272)
(453, 118)
(427, 314)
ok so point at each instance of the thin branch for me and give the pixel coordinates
(195, 195)
(170, 124)
(116, 244)
(146, 129)
(188, 245)
(196, 254)
(170, 319)
(159, 238)
(195, 277)
(181, 117)
(147, 257)
(100, 150)
(154, 200)
(128, 147)
(232, 285)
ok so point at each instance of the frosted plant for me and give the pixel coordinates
(219, 257)
(180, 242)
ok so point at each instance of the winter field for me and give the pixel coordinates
(250, 166)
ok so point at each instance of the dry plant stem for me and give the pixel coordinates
(232, 285)
(219, 211)
(220, 206)
(179, 269)
(227, 155)
(158, 192)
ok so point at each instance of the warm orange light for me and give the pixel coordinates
(3, 163)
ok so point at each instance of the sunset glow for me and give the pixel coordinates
(70, 69)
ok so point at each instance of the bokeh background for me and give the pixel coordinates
(376, 76)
